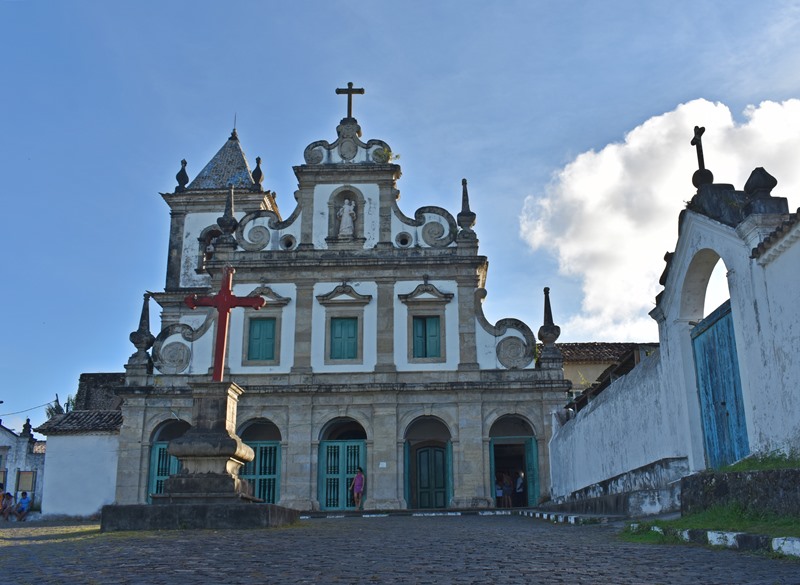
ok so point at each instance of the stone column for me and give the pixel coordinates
(468, 457)
(299, 472)
(174, 258)
(302, 333)
(133, 462)
(382, 485)
(210, 452)
(385, 341)
(468, 358)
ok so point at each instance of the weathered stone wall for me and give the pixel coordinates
(776, 491)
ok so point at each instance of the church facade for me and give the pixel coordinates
(371, 348)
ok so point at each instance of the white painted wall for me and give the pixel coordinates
(80, 473)
(634, 422)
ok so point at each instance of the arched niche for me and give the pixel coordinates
(511, 426)
(169, 430)
(427, 428)
(259, 430)
(343, 429)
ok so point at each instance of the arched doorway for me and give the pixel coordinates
(716, 361)
(263, 472)
(342, 450)
(428, 464)
(162, 464)
(514, 456)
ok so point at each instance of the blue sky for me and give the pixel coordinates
(532, 102)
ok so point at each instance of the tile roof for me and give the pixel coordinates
(777, 234)
(596, 351)
(228, 167)
(82, 421)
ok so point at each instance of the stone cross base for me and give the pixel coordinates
(210, 453)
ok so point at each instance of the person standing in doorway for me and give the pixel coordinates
(357, 485)
(519, 490)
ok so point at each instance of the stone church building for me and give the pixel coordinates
(371, 349)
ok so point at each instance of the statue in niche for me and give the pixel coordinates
(347, 218)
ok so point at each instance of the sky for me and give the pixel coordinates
(571, 121)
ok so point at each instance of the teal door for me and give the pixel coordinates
(431, 477)
(162, 465)
(720, 388)
(263, 472)
(338, 461)
(532, 471)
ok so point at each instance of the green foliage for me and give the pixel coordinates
(765, 461)
(728, 518)
(55, 408)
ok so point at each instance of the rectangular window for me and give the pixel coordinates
(261, 343)
(25, 481)
(427, 337)
(344, 338)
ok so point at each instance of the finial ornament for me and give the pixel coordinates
(350, 91)
(234, 136)
(258, 174)
(142, 339)
(549, 331)
(702, 176)
(228, 223)
(182, 177)
(466, 218)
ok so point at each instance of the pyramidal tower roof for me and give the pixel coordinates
(227, 168)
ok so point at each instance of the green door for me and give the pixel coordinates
(338, 461)
(162, 465)
(263, 472)
(432, 477)
(532, 471)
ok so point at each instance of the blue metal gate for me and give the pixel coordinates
(720, 388)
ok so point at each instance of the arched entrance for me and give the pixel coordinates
(263, 472)
(162, 464)
(716, 361)
(514, 454)
(428, 464)
(342, 450)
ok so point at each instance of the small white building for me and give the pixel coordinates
(83, 449)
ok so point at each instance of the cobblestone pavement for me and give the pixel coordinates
(395, 550)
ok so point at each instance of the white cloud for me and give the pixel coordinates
(609, 216)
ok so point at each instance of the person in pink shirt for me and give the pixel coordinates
(357, 485)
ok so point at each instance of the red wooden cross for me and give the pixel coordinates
(223, 301)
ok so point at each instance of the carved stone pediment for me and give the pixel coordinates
(344, 294)
(426, 294)
(272, 298)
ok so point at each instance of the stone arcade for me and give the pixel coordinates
(371, 349)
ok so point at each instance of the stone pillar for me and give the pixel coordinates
(210, 452)
(134, 451)
(468, 457)
(468, 358)
(302, 332)
(298, 475)
(385, 341)
(382, 475)
(174, 258)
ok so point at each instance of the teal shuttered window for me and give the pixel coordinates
(261, 344)
(427, 337)
(344, 338)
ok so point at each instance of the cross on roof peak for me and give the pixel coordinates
(350, 91)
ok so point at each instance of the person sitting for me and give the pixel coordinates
(6, 505)
(23, 507)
